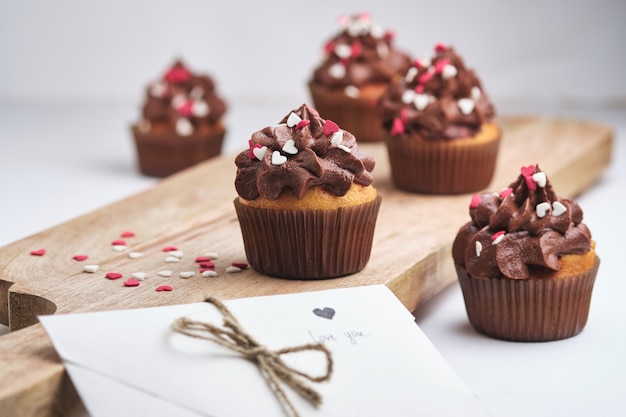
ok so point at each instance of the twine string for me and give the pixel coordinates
(272, 367)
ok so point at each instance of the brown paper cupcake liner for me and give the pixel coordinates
(356, 115)
(308, 244)
(162, 154)
(437, 167)
(531, 310)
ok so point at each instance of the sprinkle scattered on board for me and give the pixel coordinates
(162, 288)
(113, 275)
(38, 252)
(80, 258)
(131, 282)
(92, 268)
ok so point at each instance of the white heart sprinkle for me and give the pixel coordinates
(476, 93)
(408, 96)
(449, 71)
(290, 147)
(259, 153)
(135, 255)
(542, 209)
(184, 127)
(171, 259)
(424, 62)
(200, 108)
(118, 248)
(293, 119)
(337, 137)
(209, 273)
(382, 49)
(278, 159)
(212, 255)
(165, 273)
(540, 178)
(352, 91)
(498, 239)
(343, 50)
(337, 70)
(197, 92)
(232, 269)
(421, 101)
(344, 148)
(187, 274)
(139, 275)
(377, 31)
(410, 75)
(558, 208)
(91, 268)
(176, 253)
(466, 105)
(158, 90)
(479, 248)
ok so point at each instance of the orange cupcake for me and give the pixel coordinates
(526, 262)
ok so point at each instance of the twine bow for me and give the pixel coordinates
(273, 368)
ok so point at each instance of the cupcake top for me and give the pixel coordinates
(182, 101)
(523, 229)
(361, 53)
(439, 98)
(301, 152)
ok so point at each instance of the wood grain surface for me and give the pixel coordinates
(193, 211)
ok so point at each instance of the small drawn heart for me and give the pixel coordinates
(278, 159)
(542, 209)
(325, 313)
(290, 147)
(293, 119)
(558, 208)
(259, 153)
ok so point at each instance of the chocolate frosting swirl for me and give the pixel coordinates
(301, 152)
(362, 53)
(183, 101)
(525, 228)
(438, 98)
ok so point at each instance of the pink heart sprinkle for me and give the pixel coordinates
(178, 74)
(38, 252)
(418, 64)
(505, 193)
(251, 151)
(113, 275)
(186, 109)
(528, 171)
(302, 123)
(329, 47)
(425, 77)
(475, 201)
(164, 288)
(119, 242)
(131, 282)
(496, 234)
(127, 234)
(440, 47)
(169, 248)
(419, 88)
(203, 259)
(530, 183)
(355, 49)
(80, 257)
(440, 65)
(404, 116)
(397, 128)
(330, 127)
(240, 265)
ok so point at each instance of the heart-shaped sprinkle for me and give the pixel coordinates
(343, 50)
(113, 275)
(479, 248)
(139, 275)
(119, 248)
(419, 88)
(440, 65)
(200, 108)
(119, 242)
(325, 313)
(277, 158)
(184, 107)
(302, 123)
(186, 274)
(135, 255)
(171, 259)
(337, 70)
(233, 269)
(329, 47)
(165, 273)
(177, 253)
(497, 237)
(397, 128)
(542, 209)
(337, 138)
(421, 101)
(410, 74)
(209, 273)
(91, 268)
(127, 234)
(80, 258)
(505, 193)
(344, 148)
(352, 91)
(449, 71)
(241, 265)
(404, 115)
(259, 152)
(184, 127)
(207, 264)
(162, 288)
(178, 74)
(131, 282)
(475, 201)
(290, 146)
(558, 208)
(476, 93)
(330, 127)
(528, 171)
(540, 178)
(169, 248)
(440, 47)
(293, 119)
(466, 105)
(408, 96)
(425, 77)
(205, 258)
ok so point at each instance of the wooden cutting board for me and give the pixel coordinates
(194, 212)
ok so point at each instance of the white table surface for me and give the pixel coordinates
(62, 160)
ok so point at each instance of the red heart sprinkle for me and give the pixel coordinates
(177, 74)
(38, 252)
(329, 47)
(355, 49)
(440, 65)
(530, 183)
(80, 257)
(404, 115)
(185, 109)
(397, 128)
(505, 193)
(475, 201)
(206, 269)
(528, 171)
(418, 64)
(131, 282)
(330, 127)
(164, 288)
(113, 275)
(240, 265)
(169, 248)
(119, 242)
(208, 264)
(425, 77)
(251, 154)
(302, 123)
(127, 234)
(203, 259)
(496, 234)
(440, 47)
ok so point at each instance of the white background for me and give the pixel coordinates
(72, 75)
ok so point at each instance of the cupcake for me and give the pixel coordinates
(181, 122)
(358, 64)
(526, 262)
(306, 205)
(439, 127)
